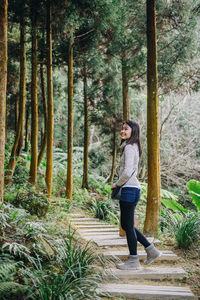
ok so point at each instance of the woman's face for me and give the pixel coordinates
(125, 132)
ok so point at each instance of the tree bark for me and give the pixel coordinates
(110, 180)
(16, 112)
(50, 120)
(3, 83)
(126, 105)
(18, 143)
(86, 132)
(34, 100)
(27, 128)
(44, 139)
(153, 193)
(69, 182)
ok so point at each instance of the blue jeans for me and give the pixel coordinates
(129, 199)
(130, 195)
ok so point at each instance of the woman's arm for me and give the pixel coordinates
(129, 153)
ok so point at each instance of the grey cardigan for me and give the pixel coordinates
(128, 163)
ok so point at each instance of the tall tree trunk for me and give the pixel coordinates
(49, 168)
(3, 82)
(34, 100)
(153, 194)
(69, 182)
(16, 112)
(44, 139)
(110, 180)
(126, 105)
(18, 143)
(86, 132)
(27, 128)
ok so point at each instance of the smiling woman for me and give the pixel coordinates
(125, 132)
(130, 195)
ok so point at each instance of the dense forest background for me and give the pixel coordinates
(70, 73)
(178, 70)
(109, 45)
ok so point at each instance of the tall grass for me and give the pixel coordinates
(76, 257)
(184, 227)
(70, 276)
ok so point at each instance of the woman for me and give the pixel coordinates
(130, 195)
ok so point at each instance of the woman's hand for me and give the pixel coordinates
(113, 186)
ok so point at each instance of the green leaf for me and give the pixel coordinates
(173, 205)
(193, 187)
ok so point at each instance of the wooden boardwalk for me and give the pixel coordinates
(131, 285)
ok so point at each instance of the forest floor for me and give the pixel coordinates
(57, 221)
(188, 259)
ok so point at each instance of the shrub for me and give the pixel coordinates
(76, 257)
(104, 209)
(70, 276)
(184, 227)
(33, 201)
(54, 285)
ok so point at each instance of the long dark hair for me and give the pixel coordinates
(135, 135)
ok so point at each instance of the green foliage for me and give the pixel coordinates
(101, 209)
(34, 230)
(76, 257)
(51, 285)
(4, 218)
(105, 190)
(9, 288)
(18, 250)
(33, 201)
(70, 276)
(193, 187)
(105, 209)
(81, 196)
(168, 199)
(173, 205)
(184, 227)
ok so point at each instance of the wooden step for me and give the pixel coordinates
(145, 291)
(83, 219)
(79, 223)
(118, 242)
(96, 226)
(146, 273)
(109, 236)
(102, 234)
(98, 230)
(166, 255)
(78, 215)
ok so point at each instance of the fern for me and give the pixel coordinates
(11, 288)
(8, 269)
(18, 250)
(4, 218)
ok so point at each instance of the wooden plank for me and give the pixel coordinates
(146, 273)
(83, 219)
(104, 234)
(145, 291)
(96, 226)
(84, 223)
(76, 216)
(118, 242)
(110, 229)
(109, 236)
(166, 255)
